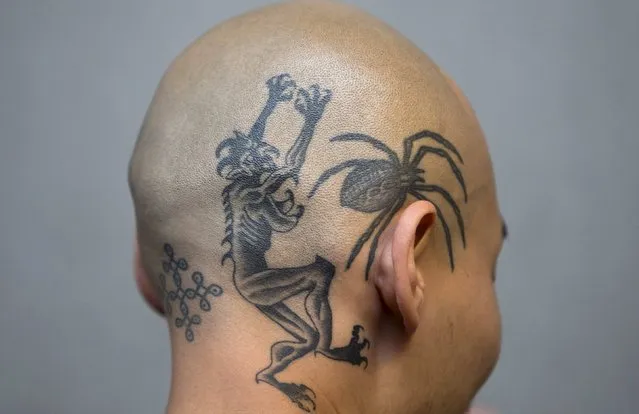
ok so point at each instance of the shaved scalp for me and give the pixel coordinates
(277, 149)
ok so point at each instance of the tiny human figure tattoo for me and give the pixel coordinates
(174, 266)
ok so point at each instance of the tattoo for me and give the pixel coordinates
(183, 296)
(253, 213)
(382, 186)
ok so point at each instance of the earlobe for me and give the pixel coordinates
(397, 278)
(143, 283)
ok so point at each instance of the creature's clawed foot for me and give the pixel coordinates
(352, 352)
(300, 395)
(281, 87)
(311, 102)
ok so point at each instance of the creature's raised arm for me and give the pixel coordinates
(311, 104)
(280, 89)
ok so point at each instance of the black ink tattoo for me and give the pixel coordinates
(382, 186)
(174, 266)
(253, 213)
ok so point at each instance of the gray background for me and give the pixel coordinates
(554, 84)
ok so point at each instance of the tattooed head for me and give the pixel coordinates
(317, 219)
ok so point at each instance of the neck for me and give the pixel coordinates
(216, 373)
(228, 386)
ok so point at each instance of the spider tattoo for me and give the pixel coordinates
(382, 185)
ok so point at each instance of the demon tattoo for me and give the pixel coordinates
(254, 213)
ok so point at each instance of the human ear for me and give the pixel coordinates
(399, 282)
(143, 282)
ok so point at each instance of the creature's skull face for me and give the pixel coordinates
(245, 157)
(258, 158)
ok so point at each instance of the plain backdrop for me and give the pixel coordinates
(555, 85)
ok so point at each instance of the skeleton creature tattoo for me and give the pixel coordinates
(383, 185)
(253, 213)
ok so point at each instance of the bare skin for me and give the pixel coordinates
(335, 187)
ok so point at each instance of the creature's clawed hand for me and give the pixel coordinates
(357, 345)
(311, 102)
(281, 87)
(352, 352)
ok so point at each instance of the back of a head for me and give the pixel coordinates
(307, 181)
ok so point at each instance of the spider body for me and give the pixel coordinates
(382, 186)
(371, 186)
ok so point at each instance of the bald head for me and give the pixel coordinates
(302, 156)
(381, 85)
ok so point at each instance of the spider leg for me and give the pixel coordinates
(449, 199)
(449, 241)
(382, 227)
(367, 234)
(408, 144)
(423, 150)
(332, 171)
(366, 138)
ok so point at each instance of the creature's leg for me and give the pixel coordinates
(319, 310)
(283, 353)
(316, 303)
(268, 290)
(273, 286)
